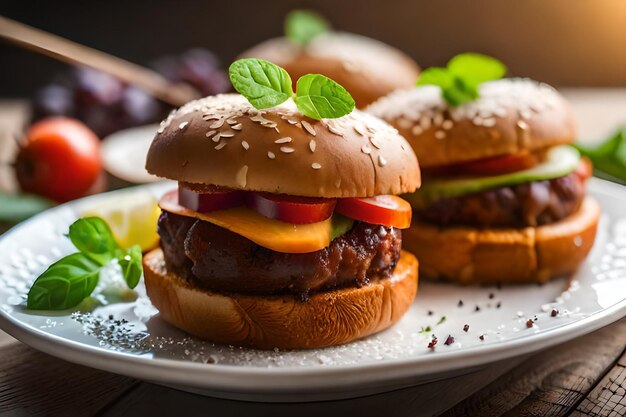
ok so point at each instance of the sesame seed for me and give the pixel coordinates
(522, 124)
(292, 121)
(425, 122)
(438, 119)
(525, 114)
(404, 123)
(334, 130)
(220, 146)
(338, 182)
(312, 145)
(276, 129)
(478, 121)
(307, 126)
(183, 125)
(210, 133)
(315, 165)
(287, 149)
(375, 143)
(489, 122)
(245, 145)
(242, 176)
(381, 161)
(231, 121)
(440, 134)
(417, 130)
(217, 137)
(161, 129)
(366, 149)
(500, 112)
(238, 126)
(286, 139)
(271, 155)
(447, 124)
(359, 130)
(228, 134)
(217, 124)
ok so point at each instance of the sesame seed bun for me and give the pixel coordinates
(510, 116)
(367, 68)
(266, 322)
(472, 256)
(222, 140)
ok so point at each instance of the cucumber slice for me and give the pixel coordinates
(560, 161)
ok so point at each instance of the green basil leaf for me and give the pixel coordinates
(475, 69)
(453, 89)
(459, 81)
(264, 84)
(64, 284)
(609, 159)
(436, 76)
(93, 236)
(302, 26)
(319, 97)
(16, 207)
(131, 266)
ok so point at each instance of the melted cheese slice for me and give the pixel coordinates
(269, 233)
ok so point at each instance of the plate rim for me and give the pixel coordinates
(259, 380)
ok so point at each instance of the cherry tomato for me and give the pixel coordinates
(388, 210)
(490, 166)
(219, 199)
(59, 159)
(292, 209)
(584, 169)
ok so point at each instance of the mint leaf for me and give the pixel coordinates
(131, 267)
(302, 26)
(320, 97)
(475, 69)
(64, 284)
(93, 237)
(16, 207)
(264, 84)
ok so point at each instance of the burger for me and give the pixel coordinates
(368, 68)
(284, 231)
(503, 198)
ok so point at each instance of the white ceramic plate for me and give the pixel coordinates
(145, 347)
(124, 153)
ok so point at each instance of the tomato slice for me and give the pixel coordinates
(214, 200)
(388, 210)
(490, 166)
(292, 209)
(584, 169)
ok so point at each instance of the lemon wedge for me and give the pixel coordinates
(132, 217)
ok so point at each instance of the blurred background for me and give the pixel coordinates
(562, 42)
(578, 46)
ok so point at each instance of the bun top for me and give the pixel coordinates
(512, 115)
(222, 140)
(367, 68)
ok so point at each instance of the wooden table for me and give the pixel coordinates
(586, 376)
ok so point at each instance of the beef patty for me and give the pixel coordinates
(530, 204)
(217, 259)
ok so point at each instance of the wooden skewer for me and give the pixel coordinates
(71, 52)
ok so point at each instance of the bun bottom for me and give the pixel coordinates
(267, 322)
(532, 254)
